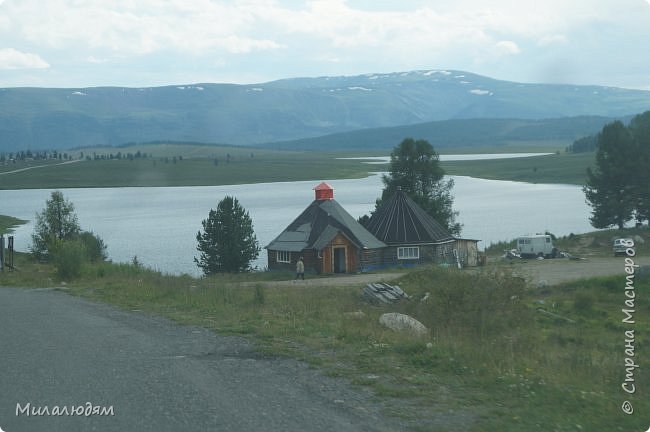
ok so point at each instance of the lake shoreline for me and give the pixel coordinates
(159, 224)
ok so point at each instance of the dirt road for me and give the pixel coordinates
(555, 271)
(343, 280)
(38, 166)
(550, 271)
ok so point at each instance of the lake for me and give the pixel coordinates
(377, 160)
(159, 224)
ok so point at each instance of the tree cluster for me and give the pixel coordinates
(618, 188)
(58, 238)
(583, 145)
(23, 155)
(119, 156)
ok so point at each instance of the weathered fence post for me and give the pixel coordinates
(2, 253)
(10, 246)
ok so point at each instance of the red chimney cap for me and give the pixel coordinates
(324, 191)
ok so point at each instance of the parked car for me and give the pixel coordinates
(621, 245)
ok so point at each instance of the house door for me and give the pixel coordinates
(339, 260)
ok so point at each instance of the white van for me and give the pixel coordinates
(538, 245)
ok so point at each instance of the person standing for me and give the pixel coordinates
(300, 269)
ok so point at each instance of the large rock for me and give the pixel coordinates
(403, 323)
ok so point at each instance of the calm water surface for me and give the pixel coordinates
(376, 160)
(159, 224)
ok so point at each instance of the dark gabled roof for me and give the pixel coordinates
(400, 220)
(318, 224)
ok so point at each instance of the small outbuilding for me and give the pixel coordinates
(328, 239)
(413, 237)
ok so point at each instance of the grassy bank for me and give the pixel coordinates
(567, 168)
(8, 223)
(490, 361)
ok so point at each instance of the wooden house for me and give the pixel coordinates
(328, 239)
(413, 237)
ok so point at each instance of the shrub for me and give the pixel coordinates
(68, 258)
(94, 246)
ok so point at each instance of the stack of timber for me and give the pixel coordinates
(377, 293)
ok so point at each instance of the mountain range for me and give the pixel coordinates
(293, 109)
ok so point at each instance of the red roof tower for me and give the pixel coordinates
(324, 191)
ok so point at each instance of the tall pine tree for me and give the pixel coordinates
(640, 178)
(415, 168)
(227, 243)
(609, 189)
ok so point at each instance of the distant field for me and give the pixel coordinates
(177, 165)
(190, 150)
(26, 165)
(569, 168)
(549, 146)
(203, 165)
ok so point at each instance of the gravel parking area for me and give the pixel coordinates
(555, 271)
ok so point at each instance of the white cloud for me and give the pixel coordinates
(136, 28)
(507, 48)
(552, 39)
(96, 60)
(154, 41)
(326, 58)
(11, 58)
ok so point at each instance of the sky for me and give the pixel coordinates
(143, 43)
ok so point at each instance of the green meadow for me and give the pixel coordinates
(177, 165)
(569, 168)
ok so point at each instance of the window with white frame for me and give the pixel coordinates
(410, 252)
(283, 256)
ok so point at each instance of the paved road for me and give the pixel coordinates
(38, 166)
(58, 350)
